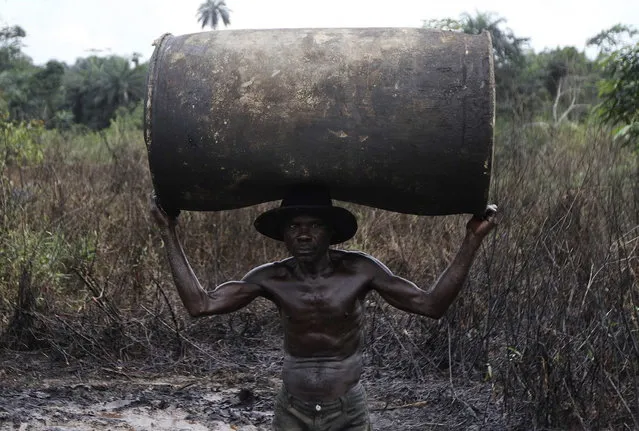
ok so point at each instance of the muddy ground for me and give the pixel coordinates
(40, 394)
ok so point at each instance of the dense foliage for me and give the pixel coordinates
(544, 88)
(87, 93)
(619, 89)
(620, 93)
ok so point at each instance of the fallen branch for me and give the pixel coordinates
(403, 406)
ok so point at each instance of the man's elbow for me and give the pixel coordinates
(434, 312)
(200, 306)
(201, 310)
(195, 311)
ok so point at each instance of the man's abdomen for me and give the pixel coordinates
(321, 378)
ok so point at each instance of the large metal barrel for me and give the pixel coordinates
(395, 118)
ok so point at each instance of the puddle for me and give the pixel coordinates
(112, 405)
(169, 419)
(124, 413)
(173, 419)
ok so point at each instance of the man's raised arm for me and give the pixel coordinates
(406, 296)
(225, 298)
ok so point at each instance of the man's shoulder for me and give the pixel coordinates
(268, 271)
(357, 259)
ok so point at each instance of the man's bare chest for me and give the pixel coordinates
(322, 298)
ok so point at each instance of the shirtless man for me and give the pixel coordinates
(319, 293)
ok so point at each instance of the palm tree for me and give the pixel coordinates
(211, 11)
(119, 83)
(97, 86)
(508, 48)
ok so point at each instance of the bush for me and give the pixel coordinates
(620, 94)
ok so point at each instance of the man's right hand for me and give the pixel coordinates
(162, 219)
(481, 225)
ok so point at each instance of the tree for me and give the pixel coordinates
(613, 38)
(97, 86)
(508, 49)
(15, 73)
(508, 52)
(619, 93)
(570, 80)
(27, 92)
(212, 11)
(11, 47)
(508, 55)
(619, 89)
(119, 82)
(45, 87)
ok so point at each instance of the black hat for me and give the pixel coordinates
(307, 200)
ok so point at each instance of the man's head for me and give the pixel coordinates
(307, 222)
(307, 236)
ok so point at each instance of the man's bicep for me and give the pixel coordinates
(401, 293)
(382, 278)
(392, 285)
(231, 296)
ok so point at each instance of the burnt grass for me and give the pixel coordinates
(545, 334)
(41, 395)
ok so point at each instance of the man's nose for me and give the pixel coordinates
(304, 233)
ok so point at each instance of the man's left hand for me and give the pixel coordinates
(481, 225)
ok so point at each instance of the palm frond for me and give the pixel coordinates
(210, 12)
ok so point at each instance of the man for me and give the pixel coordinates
(319, 293)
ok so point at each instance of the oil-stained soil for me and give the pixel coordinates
(38, 395)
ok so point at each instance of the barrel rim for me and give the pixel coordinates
(151, 79)
(493, 105)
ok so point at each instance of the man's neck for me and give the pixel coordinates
(315, 268)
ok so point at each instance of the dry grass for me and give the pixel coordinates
(549, 316)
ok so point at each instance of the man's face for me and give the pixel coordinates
(307, 237)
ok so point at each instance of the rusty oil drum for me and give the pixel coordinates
(395, 118)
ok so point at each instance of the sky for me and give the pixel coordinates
(69, 29)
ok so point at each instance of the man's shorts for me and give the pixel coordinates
(348, 413)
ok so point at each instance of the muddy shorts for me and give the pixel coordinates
(347, 413)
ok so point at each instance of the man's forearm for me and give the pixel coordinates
(191, 292)
(452, 279)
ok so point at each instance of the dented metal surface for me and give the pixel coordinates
(399, 119)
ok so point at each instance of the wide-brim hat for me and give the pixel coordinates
(307, 200)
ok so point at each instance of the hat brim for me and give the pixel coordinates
(343, 222)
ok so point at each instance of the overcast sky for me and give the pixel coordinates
(68, 29)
